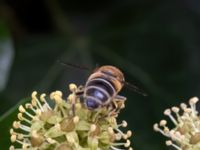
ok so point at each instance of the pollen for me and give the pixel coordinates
(185, 134)
(52, 122)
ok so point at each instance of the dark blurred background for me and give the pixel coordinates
(155, 43)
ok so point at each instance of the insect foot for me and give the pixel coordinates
(54, 123)
(185, 135)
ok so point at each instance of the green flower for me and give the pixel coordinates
(49, 123)
(185, 135)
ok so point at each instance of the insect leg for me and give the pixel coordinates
(117, 104)
(79, 93)
(120, 98)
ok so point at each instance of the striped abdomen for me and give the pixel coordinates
(98, 92)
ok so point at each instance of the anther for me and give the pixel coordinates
(168, 142)
(34, 94)
(183, 106)
(110, 130)
(12, 131)
(76, 119)
(12, 147)
(163, 122)
(155, 127)
(28, 105)
(16, 124)
(175, 109)
(20, 117)
(59, 93)
(129, 133)
(124, 123)
(72, 87)
(193, 100)
(127, 144)
(42, 97)
(13, 138)
(21, 109)
(167, 112)
(93, 127)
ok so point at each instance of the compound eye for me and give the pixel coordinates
(92, 104)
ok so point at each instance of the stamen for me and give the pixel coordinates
(44, 100)
(129, 133)
(30, 106)
(169, 143)
(167, 112)
(56, 96)
(123, 124)
(127, 144)
(23, 110)
(37, 101)
(25, 128)
(72, 87)
(20, 117)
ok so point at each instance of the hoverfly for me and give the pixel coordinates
(102, 87)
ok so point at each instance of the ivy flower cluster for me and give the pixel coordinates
(185, 135)
(53, 123)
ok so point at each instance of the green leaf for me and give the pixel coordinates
(6, 121)
(4, 31)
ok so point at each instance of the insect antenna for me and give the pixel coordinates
(134, 88)
(74, 65)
